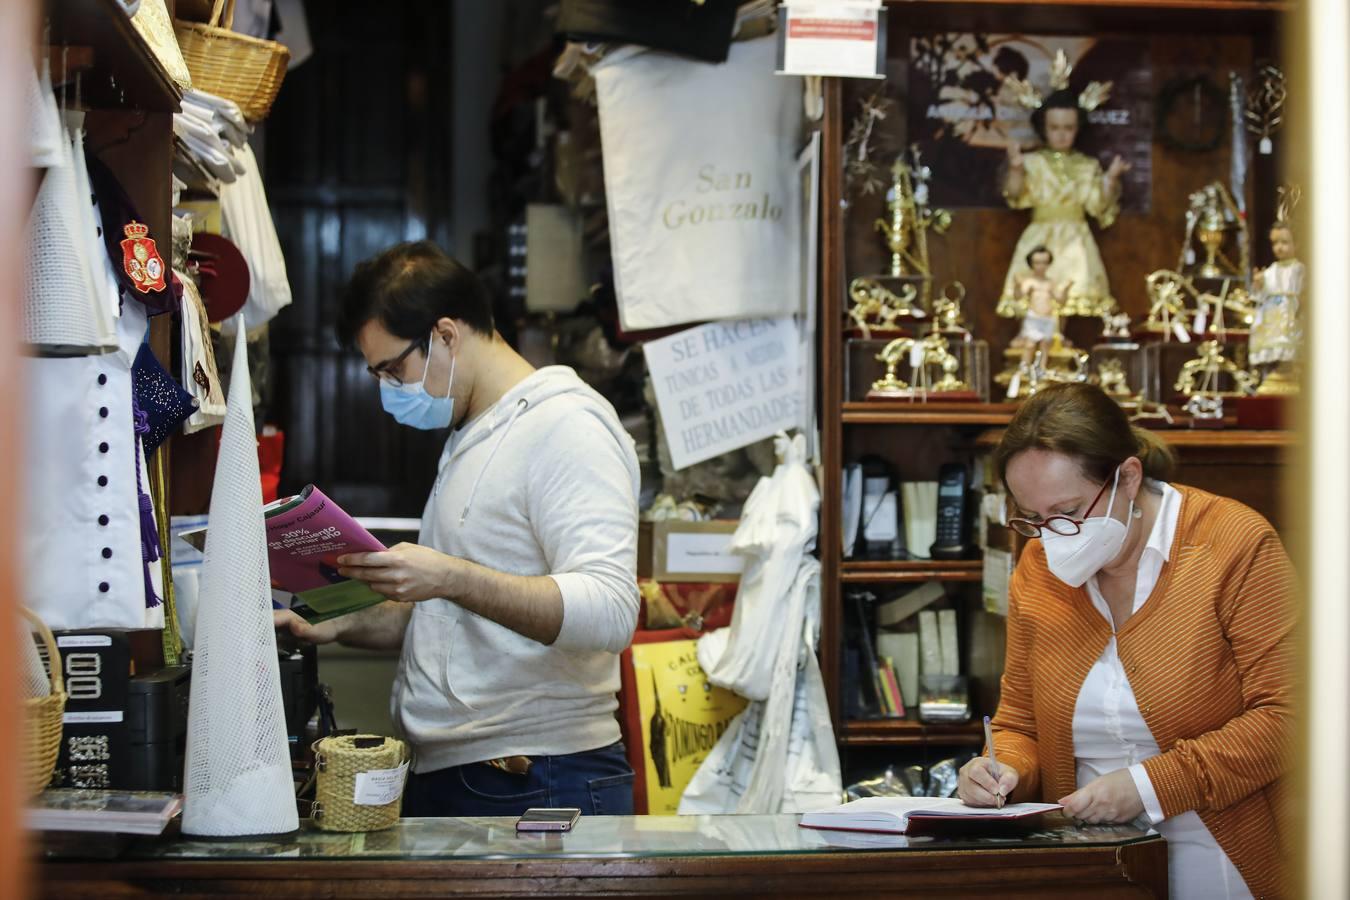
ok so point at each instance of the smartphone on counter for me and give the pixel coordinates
(542, 818)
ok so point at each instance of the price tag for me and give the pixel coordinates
(844, 38)
(1180, 331)
(916, 356)
(379, 787)
(1266, 146)
(1014, 384)
(1202, 320)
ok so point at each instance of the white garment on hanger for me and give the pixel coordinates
(63, 310)
(247, 221)
(44, 121)
(1109, 733)
(82, 530)
(102, 281)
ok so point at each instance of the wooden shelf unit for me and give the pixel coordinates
(910, 733)
(1068, 16)
(123, 72)
(1186, 438)
(1232, 34)
(903, 412)
(906, 571)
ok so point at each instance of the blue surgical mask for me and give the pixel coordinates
(411, 405)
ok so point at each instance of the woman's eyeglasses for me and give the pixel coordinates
(388, 370)
(1065, 526)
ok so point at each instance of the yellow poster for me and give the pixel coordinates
(682, 717)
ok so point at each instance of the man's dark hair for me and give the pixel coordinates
(407, 289)
(1061, 99)
(1039, 248)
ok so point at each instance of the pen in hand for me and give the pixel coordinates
(993, 762)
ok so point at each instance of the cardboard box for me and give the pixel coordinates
(675, 551)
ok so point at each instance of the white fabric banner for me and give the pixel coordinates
(700, 178)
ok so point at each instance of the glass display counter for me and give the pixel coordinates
(649, 855)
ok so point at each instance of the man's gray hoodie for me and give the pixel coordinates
(544, 482)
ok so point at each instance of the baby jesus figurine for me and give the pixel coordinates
(1041, 298)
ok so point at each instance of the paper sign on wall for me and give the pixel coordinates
(726, 385)
(846, 38)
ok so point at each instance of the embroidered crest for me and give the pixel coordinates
(141, 260)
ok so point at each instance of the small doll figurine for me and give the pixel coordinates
(1041, 298)
(1278, 288)
(1062, 187)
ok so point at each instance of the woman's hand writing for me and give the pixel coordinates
(977, 785)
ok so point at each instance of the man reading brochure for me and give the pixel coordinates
(513, 607)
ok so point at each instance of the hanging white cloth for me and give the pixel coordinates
(105, 296)
(701, 183)
(64, 310)
(779, 755)
(44, 121)
(247, 221)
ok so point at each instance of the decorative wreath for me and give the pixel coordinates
(1213, 106)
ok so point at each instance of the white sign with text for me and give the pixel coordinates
(725, 385)
(832, 37)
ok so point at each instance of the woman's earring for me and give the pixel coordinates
(1138, 513)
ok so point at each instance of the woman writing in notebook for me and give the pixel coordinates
(1149, 651)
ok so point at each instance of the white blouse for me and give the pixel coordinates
(1109, 733)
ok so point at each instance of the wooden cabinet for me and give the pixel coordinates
(1183, 37)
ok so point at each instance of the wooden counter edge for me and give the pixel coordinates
(1137, 869)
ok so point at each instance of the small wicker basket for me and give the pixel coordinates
(43, 717)
(339, 760)
(234, 66)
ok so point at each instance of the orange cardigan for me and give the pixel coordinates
(1210, 658)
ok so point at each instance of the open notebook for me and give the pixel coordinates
(895, 814)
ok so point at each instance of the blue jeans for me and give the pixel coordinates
(598, 782)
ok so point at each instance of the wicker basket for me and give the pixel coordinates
(237, 67)
(338, 761)
(43, 718)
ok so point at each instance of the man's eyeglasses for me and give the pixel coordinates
(388, 370)
(1066, 526)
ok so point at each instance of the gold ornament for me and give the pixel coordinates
(874, 306)
(1026, 94)
(1200, 376)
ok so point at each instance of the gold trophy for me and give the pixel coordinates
(1209, 219)
(1210, 229)
(1111, 379)
(1059, 362)
(1201, 376)
(922, 354)
(874, 307)
(910, 219)
(890, 384)
(1168, 312)
(947, 313)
